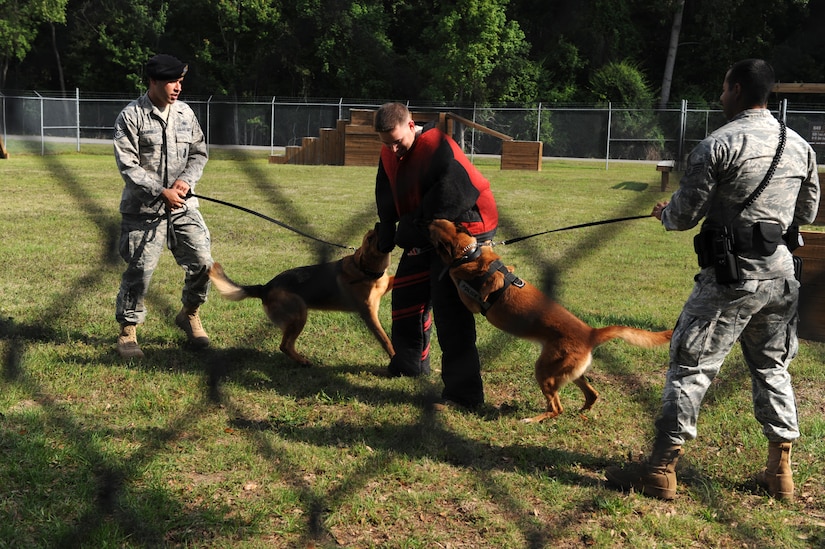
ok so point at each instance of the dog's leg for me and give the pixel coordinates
(291, 331)
(590, 394)
(549, 385)
(289, 313)
(370, 317)
(549, 414)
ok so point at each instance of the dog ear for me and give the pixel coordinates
(444, 249)
(494, 282)
(460, 229)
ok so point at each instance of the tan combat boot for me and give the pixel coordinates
(777, 477)
(656, 478)
(127, 345)
(189, 321)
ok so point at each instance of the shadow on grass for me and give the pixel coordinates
(102, 496)
(631, 186)
(112, 491)
(424, 437)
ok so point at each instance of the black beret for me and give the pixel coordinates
(166, 67)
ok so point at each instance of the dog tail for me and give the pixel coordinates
(229, 289)
(634, 336)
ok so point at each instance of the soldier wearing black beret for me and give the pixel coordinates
(161, 151)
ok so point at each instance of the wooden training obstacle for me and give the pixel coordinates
(355, 143)
(812, 292)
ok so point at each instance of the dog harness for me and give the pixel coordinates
(472, 287)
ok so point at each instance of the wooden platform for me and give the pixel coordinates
(812, 292)
(521, 155)
(355, 143)
(361, 144)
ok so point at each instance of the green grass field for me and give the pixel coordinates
(238, 447)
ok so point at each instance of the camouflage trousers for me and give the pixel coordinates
(141, 243)
(762, 315)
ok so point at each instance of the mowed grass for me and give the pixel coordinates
(239, 447)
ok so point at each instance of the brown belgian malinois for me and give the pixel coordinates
(517, 307)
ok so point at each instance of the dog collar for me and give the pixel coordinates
(371, 275)
(374, 275)
(470, 252)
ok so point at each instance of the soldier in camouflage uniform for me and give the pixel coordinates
(160, 151)
(760, 310)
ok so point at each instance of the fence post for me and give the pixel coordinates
(272, 127)
(5, 135)
(77, 115)
(42, 132)
(609, 123)
(208, 121)
(473, 135)
(538, 124)
(682, 134)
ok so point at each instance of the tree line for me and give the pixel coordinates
(637, 52)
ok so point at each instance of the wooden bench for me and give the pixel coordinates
(665, 166)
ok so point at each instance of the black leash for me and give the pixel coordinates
(580, 226)
(262, 216)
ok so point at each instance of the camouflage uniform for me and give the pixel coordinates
(761, 309)
(151, 154)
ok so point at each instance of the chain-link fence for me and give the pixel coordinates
(566, 131)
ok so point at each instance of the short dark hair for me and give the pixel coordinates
(390, 115)
(756, 79)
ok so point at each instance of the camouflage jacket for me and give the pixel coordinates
(725, 168)
(152, 153)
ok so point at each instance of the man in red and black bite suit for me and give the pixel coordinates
(422, 175)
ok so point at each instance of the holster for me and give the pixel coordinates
(714, 248)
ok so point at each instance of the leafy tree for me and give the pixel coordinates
(625, 85)
(716, 34)
(108, 42)
(234, 44)
(341, 47)
(622, 83)
(472, 52)
(484, 51)
(20, 23)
